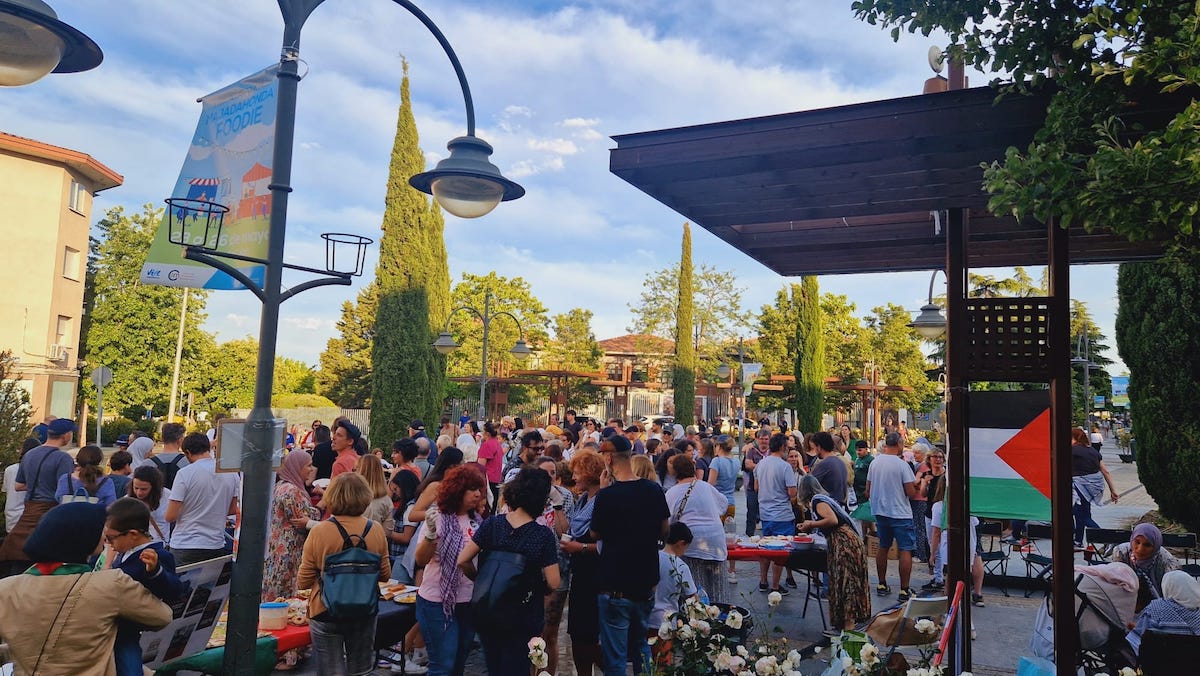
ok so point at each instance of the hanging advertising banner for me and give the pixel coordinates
(1010, 454)
(228, 163)
(1120, 391)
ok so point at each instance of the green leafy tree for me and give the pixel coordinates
(896, 351)
(407, 374)
(14, 410)
(1156, 337)
(1099, 381)
(810, 356)
(230, 385)
(717, 314)
(1090, 164)
(132, 327)
(683, 379)
(507, 295)
(345, 375)
(575, 348)
(847, 344)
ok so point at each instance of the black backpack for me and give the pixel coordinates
(350, 579)
(168, 469)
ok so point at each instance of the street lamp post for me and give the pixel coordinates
(1083, 357)
(445, 343)
(465, 184)
(34, 43)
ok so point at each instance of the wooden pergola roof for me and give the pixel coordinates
(851, 189)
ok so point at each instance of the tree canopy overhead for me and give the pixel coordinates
(1089, 164)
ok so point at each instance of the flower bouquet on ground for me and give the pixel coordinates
(713, 639)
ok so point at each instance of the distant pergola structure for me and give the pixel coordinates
(558, 380)
(863, 389)
(895, 185)
(622, 386)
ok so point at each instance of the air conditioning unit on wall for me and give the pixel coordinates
(59, 353)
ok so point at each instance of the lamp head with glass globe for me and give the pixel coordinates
(445, 343)
(467, 184)
(34, 43)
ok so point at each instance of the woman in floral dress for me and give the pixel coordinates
(291, 509)
(849, 598)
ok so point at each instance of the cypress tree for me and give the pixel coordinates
(1159, 309)
(810, 356)
(407, 375)
(684, 377)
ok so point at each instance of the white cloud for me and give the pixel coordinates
(308, 323)
(558, 146)
(239, 321)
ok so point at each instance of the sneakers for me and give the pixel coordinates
(905, 595)
(932, 585)
(733, 579)
(882, 589)
(762, 587)
(791, 583)
(977, 600)
(409, 667)
(783, 591)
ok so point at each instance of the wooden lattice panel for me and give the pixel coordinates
(1008, 339)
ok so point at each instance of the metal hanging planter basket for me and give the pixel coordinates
(345, 254)
(195, 223)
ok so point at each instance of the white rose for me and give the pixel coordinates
(713, 611)
(734, 620)
(543, 673)
(704, 628)
(664, 630)
(537, 643)
(869, 654)
(736, 664)
(793, 656)
(741, 650)
(686, 633)
(1126, 671)
(723, 660)
(765, 666)
(774, 598)
(925, 626)
(540, 660)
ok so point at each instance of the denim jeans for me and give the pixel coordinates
(623, 634)
(127, 653)
(344, 647)
(751, 512)
(448, 645)
(504, 654)
(1083, 520)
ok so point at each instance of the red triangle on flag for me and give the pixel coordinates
(1028, 453)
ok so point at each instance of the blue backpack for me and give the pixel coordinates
(350, 579)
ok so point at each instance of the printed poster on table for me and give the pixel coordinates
(229, 162)
(194, 616)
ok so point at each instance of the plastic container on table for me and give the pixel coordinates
(272, 616)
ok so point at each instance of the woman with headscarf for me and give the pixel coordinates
(60, 617)
(849, 596)
(291, 512)
(1177, 612)
(468, 441)
(1145, 554)
(140, 449)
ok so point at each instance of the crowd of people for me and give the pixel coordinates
(501, 527)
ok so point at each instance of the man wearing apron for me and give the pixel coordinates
(38, 477)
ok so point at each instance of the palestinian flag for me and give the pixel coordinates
(1010, 454)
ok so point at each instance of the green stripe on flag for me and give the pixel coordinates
(1008, 499)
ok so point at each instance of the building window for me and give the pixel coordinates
(78, 198)
(70, 266)
(62, 398)
(62, 332)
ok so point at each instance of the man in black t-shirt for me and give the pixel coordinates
(628, 520)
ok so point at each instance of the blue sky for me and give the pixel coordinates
(551, 82)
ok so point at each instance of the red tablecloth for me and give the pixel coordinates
(291, 637)
(759, 554)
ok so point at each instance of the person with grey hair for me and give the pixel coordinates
(890, 487)
(849, 598)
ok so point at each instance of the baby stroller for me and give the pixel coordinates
(1102, 607)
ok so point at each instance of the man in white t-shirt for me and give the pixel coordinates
(890, 485)
(776, 482)
(200, 502)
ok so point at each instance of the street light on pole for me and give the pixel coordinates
(1083, 357)
(34, 43)
(469, 186)
(445, 343)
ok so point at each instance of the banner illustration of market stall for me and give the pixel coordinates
(1010, 454)
(229, 163)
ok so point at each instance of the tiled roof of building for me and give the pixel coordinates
(636, 343)
(101, 176)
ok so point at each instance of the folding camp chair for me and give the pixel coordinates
(1037, 566)
(995, 557)
(1186, 542)
(1103, 541)
(935, 607)
(1162, 653)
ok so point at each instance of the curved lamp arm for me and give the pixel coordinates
(931, 280)
(458, 70)
(520, 330)
(464, 308)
